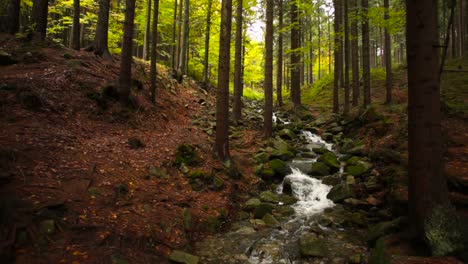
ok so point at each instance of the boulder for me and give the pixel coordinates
(269, 197)
(280, 167)
(358, 169)
(319, 169)
(381, 229)
(284, 155)
(312, 246)
(307, 155)
(340, 192)
(183, 257)
(252, 203)
(288, 200)
(330, 159)
(287, 134)
(284, 211)
(261, 157)
(186, 154)
(6, 59)
(266, 173)
(331, 180)
(320, 150)
(304, 165)
(271, 221)
(262, 210)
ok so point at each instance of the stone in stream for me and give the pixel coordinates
(304, 165)
(284, 155)
(266, 174)
(288, 200)
(331, 160)
(261, 157)
(271, 221)
(307, 155)
(331, 180)
(183, 257)
(252, 203)
(320, 150)
(312, 246)
(340, 192)
(263, 209)
(319, 169)
(280, 167)
(284, 211)
(269, 197)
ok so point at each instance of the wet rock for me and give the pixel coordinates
(252, 203)
(287, 188)
(319, 169)
(350, 180)
(284, 155)
(269, 197)
(288, 200)
(262, 157)
(280, 167)
(307, 155)
(330, 159)
(262, 210)
(358, 150)
(340, 192)
(183, 257)
(280, 145)
(320, 150)
(284, 211)
(386, 155)
(331, 180)
(353, 160)
(258, 224)
(265, 173)
(47, 227)
(358, 169)
(304, 165)
(270, 221)
(286, 134)
(312, 246)
(335, 130)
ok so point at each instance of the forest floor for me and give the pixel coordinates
(85, 180)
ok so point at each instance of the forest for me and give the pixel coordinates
(245, 131)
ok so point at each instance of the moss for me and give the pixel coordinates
(379, 253)
(186, 154)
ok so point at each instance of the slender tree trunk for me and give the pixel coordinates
(125, 78)
(13, 15)
(268, 84)
(329, 46)
(388, 57)
(222, 103)
(337, 55)
(295, 56)
(179, 35)
(237, 108)
(39, 17)
(183, 49)
(101, 39)
(319, 53)
(279, 70)
(146, 41)
(75, 42)
(154, 42)
(365, 53)
(173, 45)
(346, 58)
(427, 185)
(207, 43)
(355, 52)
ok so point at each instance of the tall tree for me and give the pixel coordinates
(268, 83)
(427, 185)
(146, 40)
(184, 47)
(365, 52)
(39, 17)
(388, 54)
(295, 58)
(75, 40)
(154, 41)
(238, 87)
(100, 45)
(355, 52)
(279, 70)
(346, 57)
(13, 15)
(222, 98)
(337, 55)
(207, 44)
(174, 32)
(125, 77)
(179, 36)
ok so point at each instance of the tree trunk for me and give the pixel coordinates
(39, 17)
(179, 36)
(346, 58)
(237, 108)
(75, 41)
(319, 53)
(222, 103)
(146, 41)
(183, 49)
(365, 53)
(427, 185)
(125, 77)
(102, 28)
(174, 32)
(13, 22)
(329, 46)
(337, 55)
(154, 42)
(355, 52)
(207, 43)
(295, 56)
(268, 84)
(388, 56)
(279, 70)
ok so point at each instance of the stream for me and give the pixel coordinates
(244, 243)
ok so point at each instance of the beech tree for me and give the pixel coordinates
(146, 41)
(125, 77)
(268, 83)
(207, 44)
(100, 45)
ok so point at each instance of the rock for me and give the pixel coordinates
(158, 172)
(280, 167)
(354, 202)
(330, 159)
(286, 134)
(258, 224)
(304, 165)
(307, 155)
(183, 257)
(284, 211)
(381, 229)
(197, 185)
(6, 59)
(252, 203)
(262, 210)
(266, 173)
(386, 155)
(187, 217)
(287, 188)
(331, 180)
(47, 227)
(288, 200)
(282, 155)
(312, 246)
(262, 157)
(319, 169)
(320, 151)
(340, 192)
(335, 130)
(119, 259)
(369, 115)
(271, 221)
(218, 183)
(269, 197)
(186, 154)
(355, 259)
(371, 184)
(358, 150)
(280, 145)
(197, 174)
(350, 180)
(352, 160)
(358, 169)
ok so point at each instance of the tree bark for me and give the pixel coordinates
(75, 42)
(355, 53)
(183, 49)
(147, 38)
(237, 108)
(154, 42)
(295, 56)
(268, 83)
(346, 58)
(365, 53)
(179, 36)
(101, 39)
(337, 55)
(39, 17)
(319, 52)
(388, 56)
(222, 103)
(279, 70)
(174, 32)
(207, 44)
(125, 77)
(427, 185)
(13, 15)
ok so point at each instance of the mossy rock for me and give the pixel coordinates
(312, 246)
(186, 154)
(353, 160)
(331, 180)
(262, 157)
(280, 167)
(262, 210)
(340, 192)
(320, 151)
(284, 211)
(266, 173)
(358, 169)
(381, 229)
(287, 134)
(252, 203)
(320, 169)
(330, 159)
(288, 199)
(218, 183)
(379, 254)
(282, 155)
(183, 257)
(197, 174)
(271, 221)
(269, 197)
